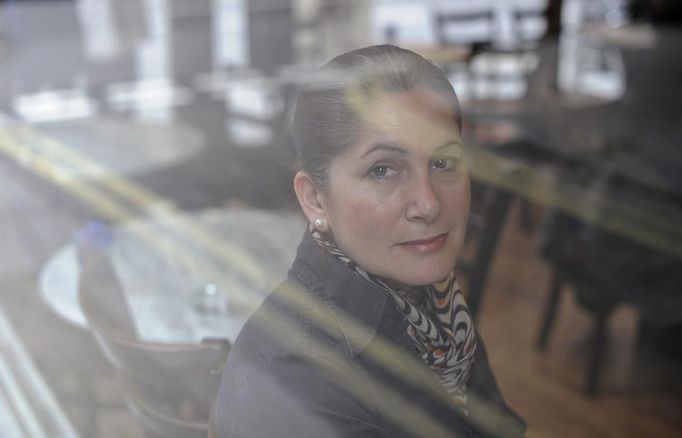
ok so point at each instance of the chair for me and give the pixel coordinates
(606, 269)
(568, 259)
(159, 425)
(170, 388)
(489, 211)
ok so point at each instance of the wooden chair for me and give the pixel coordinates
(606, 269)
(169, 387)
(568, 256)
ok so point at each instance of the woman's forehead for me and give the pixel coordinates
(418, 118)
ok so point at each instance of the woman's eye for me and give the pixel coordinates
(381, 171)
(444, 163)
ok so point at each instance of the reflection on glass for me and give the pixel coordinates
(54, 105)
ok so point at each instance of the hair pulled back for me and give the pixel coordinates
(327, 119)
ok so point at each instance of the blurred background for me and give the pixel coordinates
(158, 133)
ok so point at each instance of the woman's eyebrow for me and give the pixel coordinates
(449, 145)
(384, 146)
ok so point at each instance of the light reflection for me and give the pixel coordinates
(254, 97)
(230, 34)
(217, 83)
(587, 66)
(248, 133)
(252, 103)
(100, 36)
(54, 105)
(147, 94)
(409, 21)
(506, 24)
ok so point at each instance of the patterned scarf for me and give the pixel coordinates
(442, 329)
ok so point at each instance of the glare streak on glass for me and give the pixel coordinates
(36, 406)
(8, 424)
(654, 230)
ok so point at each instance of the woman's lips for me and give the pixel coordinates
(428, 245)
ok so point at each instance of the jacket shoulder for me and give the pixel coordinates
(285, 375)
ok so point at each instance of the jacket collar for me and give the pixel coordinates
(358, 305)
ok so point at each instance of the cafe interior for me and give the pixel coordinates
(161, 131)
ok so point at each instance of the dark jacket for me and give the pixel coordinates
(310, 363)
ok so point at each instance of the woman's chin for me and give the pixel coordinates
(408, 268)
(420, 277)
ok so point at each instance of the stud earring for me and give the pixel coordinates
(318, 222)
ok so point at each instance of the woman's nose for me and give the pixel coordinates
(424, 203)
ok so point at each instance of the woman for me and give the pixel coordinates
(370, 335)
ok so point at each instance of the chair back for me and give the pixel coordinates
(161, 425)
(178, 381)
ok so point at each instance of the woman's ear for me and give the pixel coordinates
(311, 200)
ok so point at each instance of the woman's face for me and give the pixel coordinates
(397, 201)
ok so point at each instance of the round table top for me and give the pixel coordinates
(173, 295)
(124, 146)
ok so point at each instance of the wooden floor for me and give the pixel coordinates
(640, 396)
